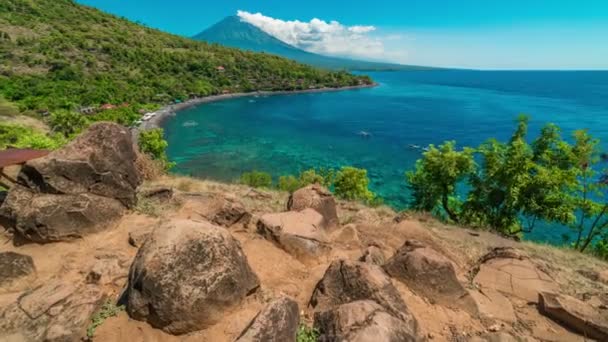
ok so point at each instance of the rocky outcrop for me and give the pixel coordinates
(510, 272)
(76, 190)
(222, 209)
(373, 255)
(15, 268)
(361, 321)
(298, 233)
(48, 217)
(186, 275)
(101, 161)
(347, 281)
(316, 197)
(277, 322)
(575, 315)
(56, 311)
(429, 274)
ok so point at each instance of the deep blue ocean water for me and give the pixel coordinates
(289, 133)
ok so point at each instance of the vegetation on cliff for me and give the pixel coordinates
(512, 186)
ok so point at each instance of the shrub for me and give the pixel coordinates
(289, 183)
(256, 179)
(152, 143)
(108, 310)
(306, 334)
(352, 184)
(18, 136)
(68, 123)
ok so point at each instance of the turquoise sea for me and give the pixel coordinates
(288, 133)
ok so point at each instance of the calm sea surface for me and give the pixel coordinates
(285, 134)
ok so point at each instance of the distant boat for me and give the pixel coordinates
(365, 134)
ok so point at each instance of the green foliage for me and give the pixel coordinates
(18, 136)
(108, 310)
(600, 248)
(153, 143)
(517, 184)
(7, 108)
(291, 183)
(62, 55)
(256, 179)
(68, 123)
(353, 184)
(306, 334)
(433, 182)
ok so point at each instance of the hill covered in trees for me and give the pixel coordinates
(57, 54)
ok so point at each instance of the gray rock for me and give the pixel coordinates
(361, 321)
(347, 281)
(14, 267)
(187, 275)
(277, 322)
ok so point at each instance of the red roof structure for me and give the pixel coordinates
(16, 156)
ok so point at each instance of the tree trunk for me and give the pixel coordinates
(451, 214)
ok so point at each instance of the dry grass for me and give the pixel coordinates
(26, 121)
(148, 168)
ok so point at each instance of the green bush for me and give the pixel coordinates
(292, 183)
(18, 136)
(256, 179)
(289, 183)
(152, 143)
(306, 334)
(108, 310)
(352, 183)
(68, 123)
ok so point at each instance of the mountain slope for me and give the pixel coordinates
(234, 32)
(59, 54)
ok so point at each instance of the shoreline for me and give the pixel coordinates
(169, 110)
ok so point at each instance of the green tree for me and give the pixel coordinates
(352, 183)
(67, 122)
(256, 179)
(152, 143)
(434, 180)
(289, 183)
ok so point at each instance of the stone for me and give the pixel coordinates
(298, 233)
(361, 321)
(157, 193)
(492, 306)
(429, 274)
(221, 209)
(107, 268)
(316, 197)
(513, 274)
(574, 314)
(187, 275)
(79, 189)
(496, 337)
(101, 161)
(138, 237)
(46, 218)
(74, 318)
(346, 281)
(373, 255)
(37, 302)
(15, 267)
(277, 322)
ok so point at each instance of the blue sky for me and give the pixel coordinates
(515, 34)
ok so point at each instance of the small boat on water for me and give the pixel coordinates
(364, 134)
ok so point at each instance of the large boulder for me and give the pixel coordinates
(298, 233)
(79, 189)
(277, 322)
(186, 275)
(512, 273)
(346, 281)
(316, 197)
(575, 315)
(101, 161)
(15, 268)
(361, 321)
(430, 274)
(49, 217)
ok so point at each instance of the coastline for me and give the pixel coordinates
(169, 110)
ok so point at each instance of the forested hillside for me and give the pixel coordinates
(59, 54)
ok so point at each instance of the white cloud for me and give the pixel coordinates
(327, 38)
